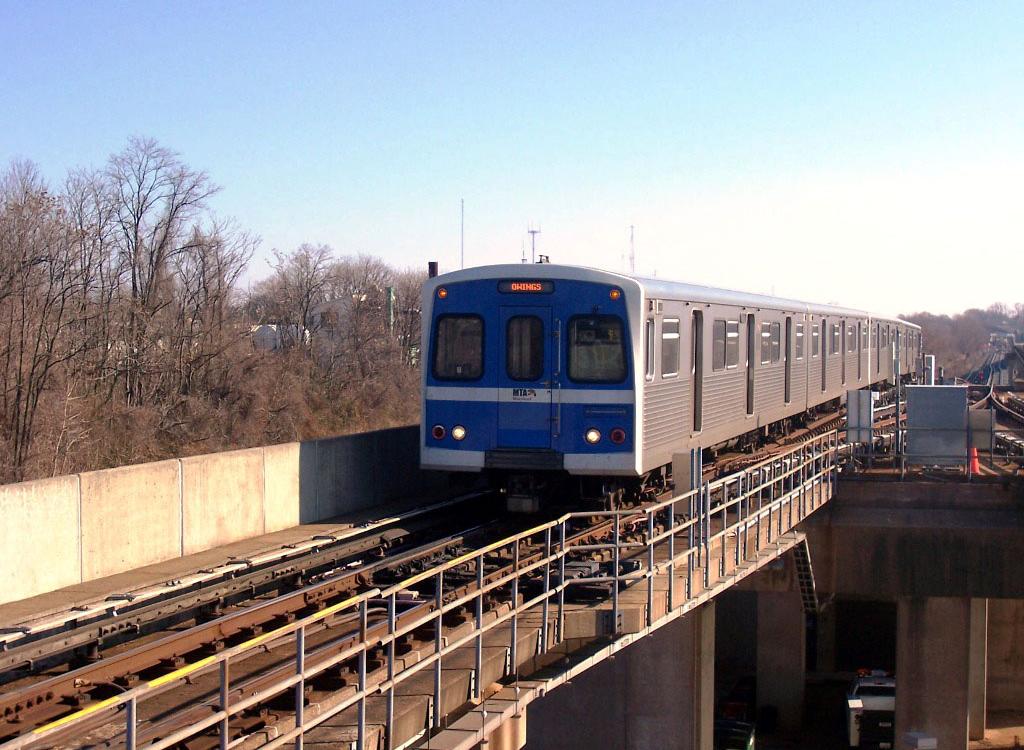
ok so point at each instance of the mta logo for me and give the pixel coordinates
(524, 394)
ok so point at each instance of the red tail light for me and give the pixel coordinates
(618, 436)
(437, 432)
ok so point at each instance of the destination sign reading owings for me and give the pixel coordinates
(526, 287)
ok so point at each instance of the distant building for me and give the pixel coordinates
(272, 337)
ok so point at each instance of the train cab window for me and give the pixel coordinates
(776, 339)
(459, 347)
(799, 345)
(524, 347)
(597, 352)
(766, 343)
(815, 340)
(669, 347)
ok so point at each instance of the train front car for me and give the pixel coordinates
(529, 375)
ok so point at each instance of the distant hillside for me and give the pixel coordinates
(958, 341)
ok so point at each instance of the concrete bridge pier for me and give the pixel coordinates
(940, 668)
(658, 692)
(781, 648)
(978, 670)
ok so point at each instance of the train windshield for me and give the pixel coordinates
(597, 352)
(459, 347)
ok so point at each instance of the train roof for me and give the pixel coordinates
(653, 288)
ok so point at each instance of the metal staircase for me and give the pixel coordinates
(805, 577)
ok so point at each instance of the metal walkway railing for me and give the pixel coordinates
(675, 541)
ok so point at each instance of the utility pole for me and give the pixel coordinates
(533, 244)
(462, 232)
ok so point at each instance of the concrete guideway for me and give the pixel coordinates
(667, 558)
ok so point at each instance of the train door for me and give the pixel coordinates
(824, 353)
(788, 358)
(897, 360)
(878, 348)
(697, 369)
(860, 353)
(842, 352)
(525, 378)
(751, 356)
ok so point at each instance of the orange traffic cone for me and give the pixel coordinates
(975, 467)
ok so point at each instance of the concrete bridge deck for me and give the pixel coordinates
(945, 556)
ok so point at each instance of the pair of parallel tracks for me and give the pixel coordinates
(157, 654)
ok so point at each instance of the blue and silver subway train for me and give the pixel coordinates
(533, 372)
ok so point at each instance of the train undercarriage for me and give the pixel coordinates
(529, 491)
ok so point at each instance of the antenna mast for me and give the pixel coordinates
(632, 251)
(533, 244)
(462, 232)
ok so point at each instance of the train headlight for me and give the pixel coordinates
(438, 432)
(618, 436)
(458, 432)
(592, 435)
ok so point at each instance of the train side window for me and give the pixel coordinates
(732, 344)
(524, 347)
(864, 336)
(851, 338)
(776, 338)
(834, 345)
(799, 341)
(459, 347)
(815, 340)
(718, 345)
(766, 343)
(597, 352)
(669, 347)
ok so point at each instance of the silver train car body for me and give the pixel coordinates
(742, 362)
(788, 357)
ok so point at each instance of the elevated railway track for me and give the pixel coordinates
(208, 667)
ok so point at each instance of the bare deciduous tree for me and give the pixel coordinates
(42, 279)
(156, 199)
(123, 337)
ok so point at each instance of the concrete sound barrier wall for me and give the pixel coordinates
(131, 516)
(67, 530)
(40, 538)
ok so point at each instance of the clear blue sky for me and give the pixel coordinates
(742, 139)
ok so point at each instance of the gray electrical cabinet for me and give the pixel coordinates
(937, 425)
